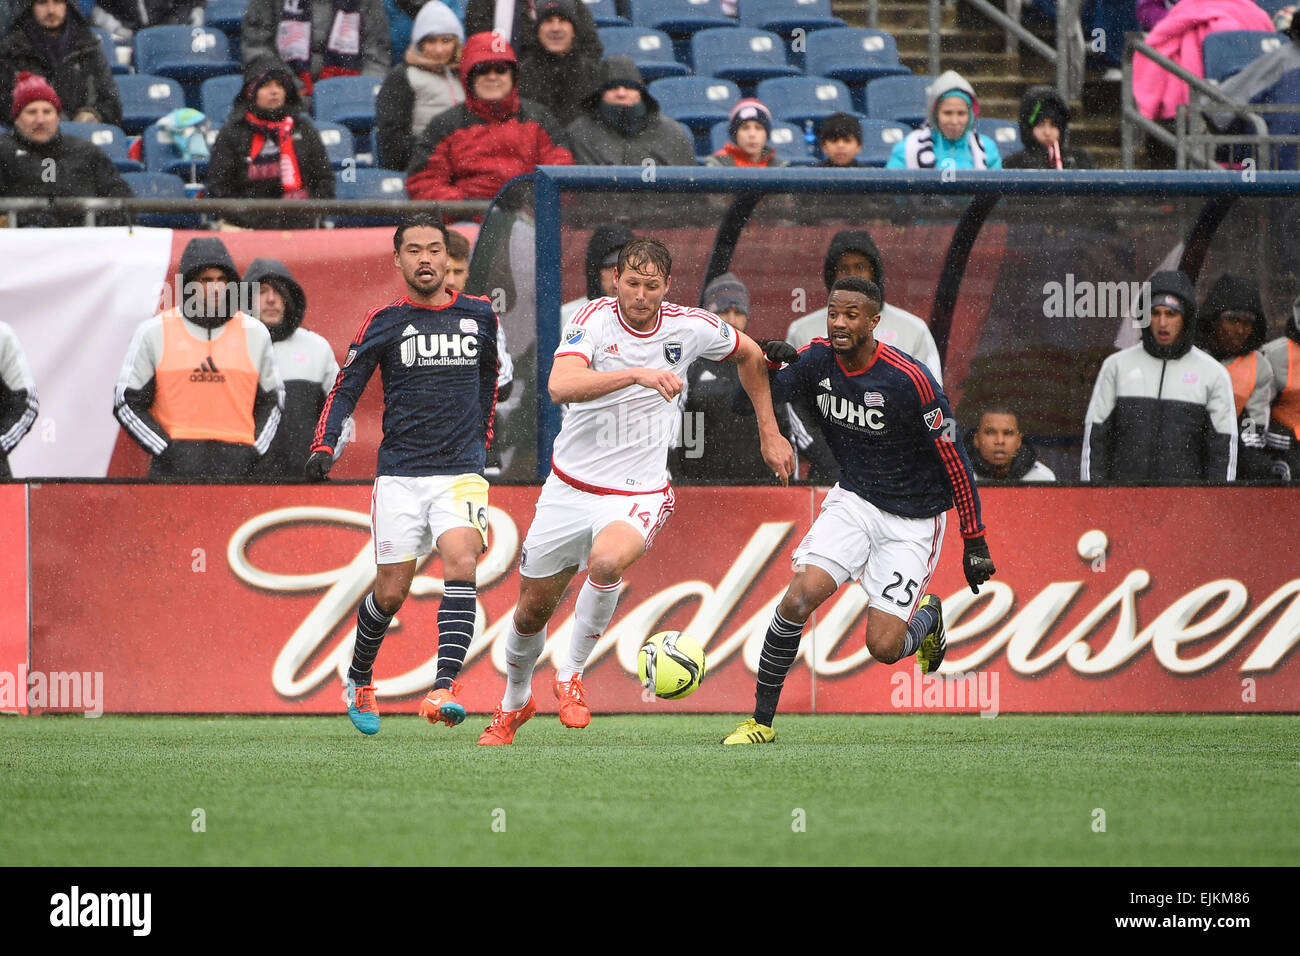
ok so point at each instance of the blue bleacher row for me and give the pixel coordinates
(800, 60)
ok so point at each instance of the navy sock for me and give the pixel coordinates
(372, 625)
(779, 650)
(921, 624)
(455, 629)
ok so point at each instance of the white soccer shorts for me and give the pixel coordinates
(892, 557)
(408, 515)
(567, 522)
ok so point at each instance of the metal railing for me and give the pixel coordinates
(1193, 132)
(322, 209)
(1133, 120)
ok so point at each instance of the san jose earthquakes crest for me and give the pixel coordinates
(673, 351)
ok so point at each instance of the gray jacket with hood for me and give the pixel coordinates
(1162, 414)
(607, 135)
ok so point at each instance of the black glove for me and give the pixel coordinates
(319, 465)
(1280, 470)
(976, 563)
(779, 352)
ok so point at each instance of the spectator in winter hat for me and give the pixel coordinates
(622, 124)
(839, 137)
(558, 72)
(1045, 132)
(948, 139)
(51, 38)
(79, 167)
(424, 84)
(749, 129)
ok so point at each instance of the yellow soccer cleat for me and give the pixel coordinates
(750, 732)
(934, 645)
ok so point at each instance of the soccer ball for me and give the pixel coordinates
(671, 664)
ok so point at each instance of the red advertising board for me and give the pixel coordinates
(13, 598)
(221, 599)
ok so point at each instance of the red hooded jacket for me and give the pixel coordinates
(472, 150)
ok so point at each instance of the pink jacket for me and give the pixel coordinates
(1179, 36)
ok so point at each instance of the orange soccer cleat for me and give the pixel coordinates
(505, 723)
(441, 706)
(574, 711)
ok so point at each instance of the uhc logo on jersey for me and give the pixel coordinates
(440, 349)
(851, 414)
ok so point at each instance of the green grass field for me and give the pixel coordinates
(632, 790)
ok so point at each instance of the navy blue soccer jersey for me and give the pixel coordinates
(439, 371)
(890, 429)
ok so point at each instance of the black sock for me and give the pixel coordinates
(372, 625)
(779, 649)
(921, 624)
(455, 629)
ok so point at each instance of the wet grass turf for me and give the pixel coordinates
(635, 790)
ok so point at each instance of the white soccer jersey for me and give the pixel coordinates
(618, 443)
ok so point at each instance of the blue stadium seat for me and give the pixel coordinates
(855, 57)
(145, 98)
(1228, 51)
(900, 99)
(368, 184)
(1006, 134)
(217, 95)
(605, 13)
(109, 47)
(697, 102)
(651, 50)
(741, 55)
(349, 100)
(161, 157)
(878, 140)
(228, 17)
(680, 19)
(161, 186)
(785, 17)
(796, 99)
(787, 141)
(1271, 7)
(339, 144)
(188, 54)
(108, 138)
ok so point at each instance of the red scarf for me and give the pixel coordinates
(290, 175)
(497, 111)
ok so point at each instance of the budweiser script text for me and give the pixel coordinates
(980, 628)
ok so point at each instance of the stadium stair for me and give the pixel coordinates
(974, 47)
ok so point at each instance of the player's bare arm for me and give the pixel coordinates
(752, 365)
(572, 381)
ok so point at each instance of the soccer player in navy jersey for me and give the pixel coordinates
(902, 467)
(437, 355)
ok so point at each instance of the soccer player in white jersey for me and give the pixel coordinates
(620, 367)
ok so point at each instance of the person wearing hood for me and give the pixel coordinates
(37, 160)
(948, 139)
(18, 402)
(1045, 131)
(315, 40)
(1283, 356)
(472, 150)
(269, 149)
(998, 451)
(749, 127)
(558, 72)
(622, 126)
(1232, 328)
(51, 38)
(516, 20)
(306, 363)
(424, 84)
(603, 248)
(853, 253)
(199, 387)
(1162, 411)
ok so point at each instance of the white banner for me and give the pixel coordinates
(74, 297)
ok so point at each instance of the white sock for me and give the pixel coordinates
(522, 651)
(591, 615)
